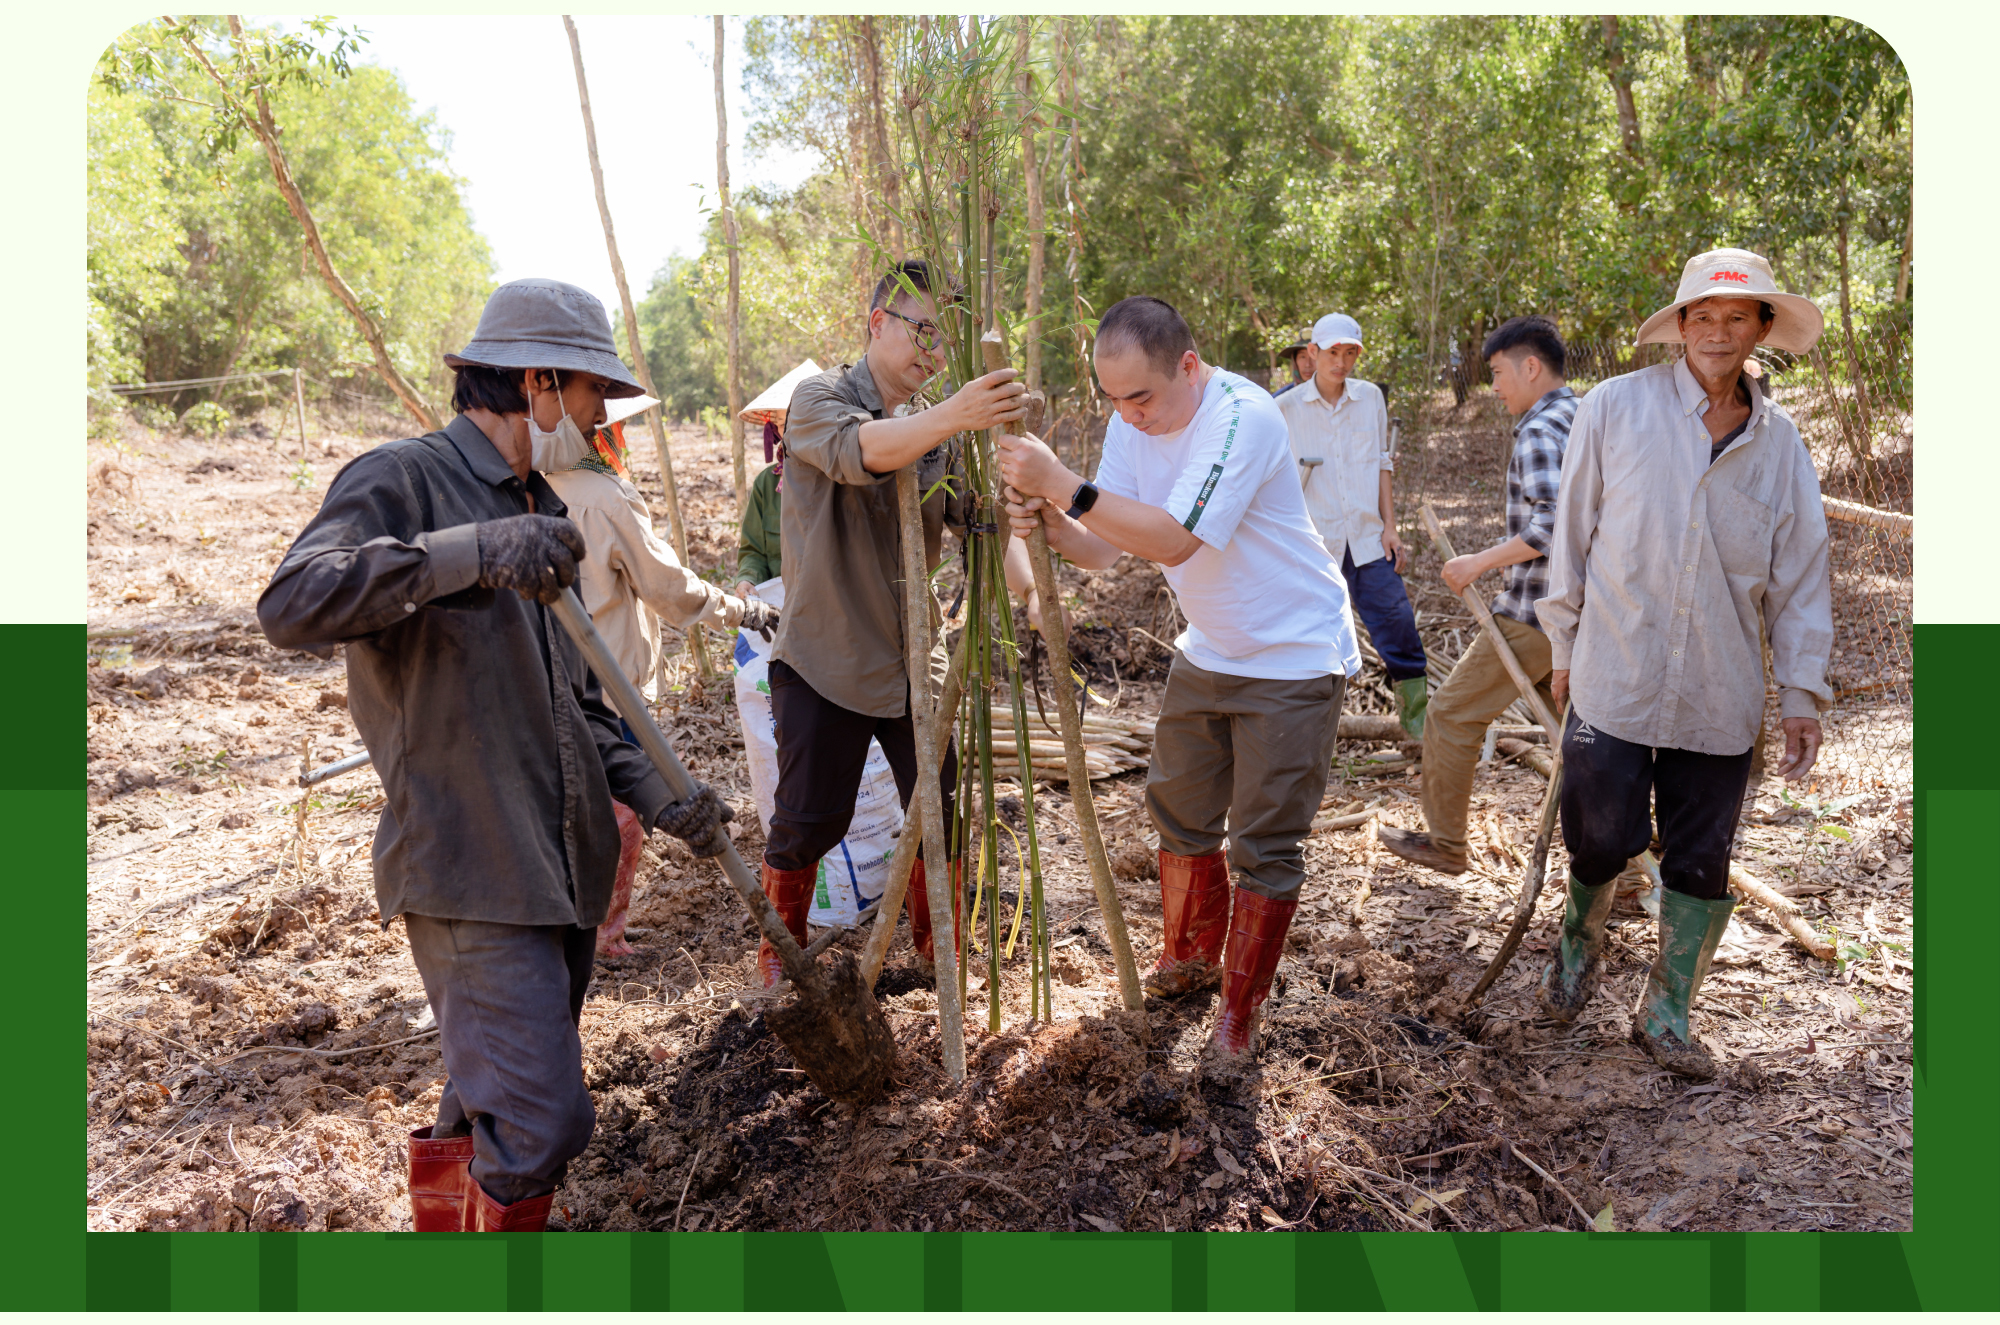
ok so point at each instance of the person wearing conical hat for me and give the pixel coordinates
(1689, 509)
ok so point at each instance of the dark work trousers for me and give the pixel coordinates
(822, 749)
(507, 999)
(1246, 757)
(1384, 607)
(1607, 821)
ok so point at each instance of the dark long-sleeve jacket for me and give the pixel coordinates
(497, 753)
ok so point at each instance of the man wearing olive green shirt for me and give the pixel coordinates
(838, 673)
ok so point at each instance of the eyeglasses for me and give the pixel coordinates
(926, 335)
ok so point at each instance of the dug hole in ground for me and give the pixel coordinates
(223, 944)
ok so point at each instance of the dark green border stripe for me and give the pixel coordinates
(1331, 1273)
(34, 675)
(123, 1272)
(277, 1270)
(1946, 1265)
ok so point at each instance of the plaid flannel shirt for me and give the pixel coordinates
(1534, 476)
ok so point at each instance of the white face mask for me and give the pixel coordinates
(551, 452)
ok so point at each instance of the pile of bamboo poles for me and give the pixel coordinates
(1111, 745)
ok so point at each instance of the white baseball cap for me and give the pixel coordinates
(1336, 329)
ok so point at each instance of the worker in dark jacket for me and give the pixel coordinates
(498, 756)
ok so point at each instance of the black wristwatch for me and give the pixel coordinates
(1085, 498)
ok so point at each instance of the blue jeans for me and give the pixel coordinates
(1384, 607)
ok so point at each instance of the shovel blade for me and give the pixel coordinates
(839, 1038)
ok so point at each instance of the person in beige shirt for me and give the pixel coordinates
(1689, 513)
(630, 581)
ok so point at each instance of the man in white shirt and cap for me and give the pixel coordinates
(1689, 511)
(1340, 424)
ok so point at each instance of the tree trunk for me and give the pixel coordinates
(644, 370)
(1621, 86)
(885, 161)
(1861, 437)
(1038, 241)
(265, 128)
(1909, 244)
(1073, 257)
(735, 277)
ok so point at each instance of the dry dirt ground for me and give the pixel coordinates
(259, 1044)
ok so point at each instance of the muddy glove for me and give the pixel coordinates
(534, 555)
(698, 821)
(759, 616)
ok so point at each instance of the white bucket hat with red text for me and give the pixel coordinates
(1737, 273)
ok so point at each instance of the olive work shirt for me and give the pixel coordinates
(1663, 559)
(842, 629)
(497, 753)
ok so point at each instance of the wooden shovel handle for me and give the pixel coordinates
(1492, 629)
(631, 706)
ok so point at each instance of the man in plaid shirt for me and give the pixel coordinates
(1527, 358)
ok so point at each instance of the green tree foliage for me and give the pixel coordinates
(198, 269)
(1430, 175)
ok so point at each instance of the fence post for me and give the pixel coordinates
(299, 398)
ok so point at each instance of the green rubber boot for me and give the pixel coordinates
(1413, 697)
(1569, 981)
(1690, 931)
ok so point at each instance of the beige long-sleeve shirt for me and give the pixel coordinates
(631, 579)
(1661, 562)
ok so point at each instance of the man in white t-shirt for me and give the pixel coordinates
(1196, 475)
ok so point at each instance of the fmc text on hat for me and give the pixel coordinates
(1336, 329)
(1737, 273)
(539, 323)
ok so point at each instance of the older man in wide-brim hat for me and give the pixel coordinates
(498, 756)
(1689, 510)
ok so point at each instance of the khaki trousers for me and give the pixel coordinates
(1477, 691)
(1245, 756)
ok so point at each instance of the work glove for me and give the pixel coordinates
(698, 821)
(759, 616)
(534, 555)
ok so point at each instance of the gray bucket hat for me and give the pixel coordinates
(539, 323)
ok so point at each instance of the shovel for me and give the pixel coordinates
(834, 1028)
(1538, 860)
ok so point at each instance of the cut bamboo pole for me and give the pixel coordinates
(736, 459)
(1056, 633)
(1038, 239)
(905, 856)
(937, 876)
(1855, 513)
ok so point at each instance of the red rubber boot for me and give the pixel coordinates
(1256, 941)
(489, 1216)
(1194, 902)
(920, 913)
(439, 1179)
(791, 893)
